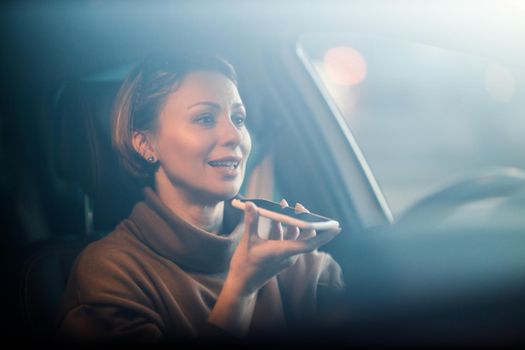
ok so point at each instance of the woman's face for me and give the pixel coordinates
(201, 141)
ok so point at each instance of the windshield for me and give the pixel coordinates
(422, 115)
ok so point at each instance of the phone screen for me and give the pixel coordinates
(276, 207)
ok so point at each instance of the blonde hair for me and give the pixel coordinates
(142, 96)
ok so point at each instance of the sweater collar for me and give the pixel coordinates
(187, 245)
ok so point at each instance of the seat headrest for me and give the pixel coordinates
(84, 154)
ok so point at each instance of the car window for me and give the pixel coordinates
(422, 115)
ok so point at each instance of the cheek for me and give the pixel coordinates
(246, 144)
(183, 147)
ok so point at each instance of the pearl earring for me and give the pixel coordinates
(151, 159)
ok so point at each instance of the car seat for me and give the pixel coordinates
(84, 160)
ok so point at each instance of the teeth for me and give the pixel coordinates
(226, 164)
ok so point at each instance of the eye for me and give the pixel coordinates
(239, 119)
(207, 119)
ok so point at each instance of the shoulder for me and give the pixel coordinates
(107, 250)
(109, 289)
(110, 264)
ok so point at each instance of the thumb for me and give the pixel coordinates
(251, 221)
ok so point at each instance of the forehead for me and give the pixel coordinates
(200, 86)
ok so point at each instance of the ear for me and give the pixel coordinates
(142, 143)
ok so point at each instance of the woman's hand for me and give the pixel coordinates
(255, 262)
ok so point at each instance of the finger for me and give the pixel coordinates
(299, 207)
(290, 248)
(276, 231)
(292, 232)
(251, 222)
(304, 233)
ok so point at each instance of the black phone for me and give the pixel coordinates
(288, 215)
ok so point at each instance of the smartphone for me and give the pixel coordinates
(288, 215)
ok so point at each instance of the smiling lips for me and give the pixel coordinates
(226, 165)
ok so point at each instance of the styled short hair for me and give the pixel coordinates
(143, 95)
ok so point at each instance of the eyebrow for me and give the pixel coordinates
(215, 105)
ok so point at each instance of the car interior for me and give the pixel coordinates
(445, 272)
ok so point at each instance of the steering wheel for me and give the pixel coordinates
(435, 208)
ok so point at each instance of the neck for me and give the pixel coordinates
(206, 215)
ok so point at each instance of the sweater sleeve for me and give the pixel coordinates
(311, 289)
(102, 302)
(331, 275)
(331, 296)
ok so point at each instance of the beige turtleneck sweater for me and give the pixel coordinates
(156, 277)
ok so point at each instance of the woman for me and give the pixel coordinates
(185, 264)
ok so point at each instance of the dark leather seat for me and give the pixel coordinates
(85, 162)
(44, 276)
(85, 156)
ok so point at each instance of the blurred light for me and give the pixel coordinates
(499, 82)
(344, 66)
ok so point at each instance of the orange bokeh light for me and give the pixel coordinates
(344, 66)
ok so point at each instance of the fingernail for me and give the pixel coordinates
(300, 207)
(284, 203)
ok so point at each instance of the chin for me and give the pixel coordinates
(223, 194)
(228, 194)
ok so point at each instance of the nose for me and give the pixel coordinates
(230, 135)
